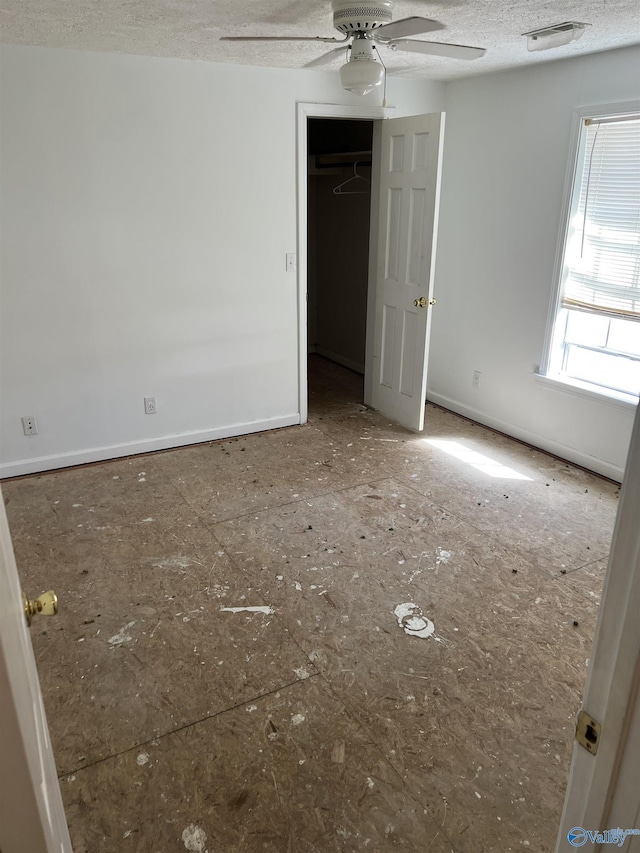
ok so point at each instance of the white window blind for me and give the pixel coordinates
(602, 254)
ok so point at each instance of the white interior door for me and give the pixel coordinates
(31, 812)
(408, 188)
(603, 791)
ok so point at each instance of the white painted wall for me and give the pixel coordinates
(147, 206)
(505, 161)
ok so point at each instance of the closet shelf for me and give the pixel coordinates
(340, 159)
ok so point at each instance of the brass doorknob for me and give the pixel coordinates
(46, 604)
(420, 303)
(432, 302)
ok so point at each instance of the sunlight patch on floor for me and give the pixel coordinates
(475, 459)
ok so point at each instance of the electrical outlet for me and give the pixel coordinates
(29, 425)
(476, 379)
(291, 261)
(149, 405)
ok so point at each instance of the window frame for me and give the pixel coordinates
(576, 157)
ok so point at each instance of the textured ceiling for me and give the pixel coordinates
(190, 29)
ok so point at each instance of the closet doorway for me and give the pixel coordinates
(398, 267)
(339, 154)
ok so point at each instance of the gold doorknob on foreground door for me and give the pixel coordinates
(420, 303)
(46, 604)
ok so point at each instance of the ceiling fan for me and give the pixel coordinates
(366, 27)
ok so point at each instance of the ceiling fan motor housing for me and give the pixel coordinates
(349, 18)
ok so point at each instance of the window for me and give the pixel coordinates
(596, 332)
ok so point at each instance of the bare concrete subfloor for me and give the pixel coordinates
(232, 670)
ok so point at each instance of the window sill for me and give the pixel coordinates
(626, 402)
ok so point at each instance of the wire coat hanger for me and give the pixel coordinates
(352, 181)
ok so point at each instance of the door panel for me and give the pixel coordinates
(397, 153)
(388, 341)
(409, 184)
(393, 234)
(407, 360)
(416, 272)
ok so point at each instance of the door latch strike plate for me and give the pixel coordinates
(588, 732)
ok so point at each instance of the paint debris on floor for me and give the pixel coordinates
(336, 637)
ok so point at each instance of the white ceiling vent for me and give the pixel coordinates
(555, 35)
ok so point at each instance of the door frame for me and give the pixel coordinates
(304, 112)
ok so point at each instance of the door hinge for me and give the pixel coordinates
(588, 732)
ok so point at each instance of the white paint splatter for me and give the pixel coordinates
(173, 563)
(444, 556)
(75, 506)
(194, 839)
(301, 672)
(262, 609)
(370, 783)
(128, 833)
(146, 520)
(298, 586)
(479, 796)
(298, 719)
(251, 708)
(412, 621)
(142, 759)
(122, 636)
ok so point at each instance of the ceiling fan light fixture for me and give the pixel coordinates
(555, 35)
(362, 73)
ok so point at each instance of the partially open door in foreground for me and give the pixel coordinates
(602, 804)
(31, 812)
(409, 189)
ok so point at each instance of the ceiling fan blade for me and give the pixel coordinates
(407, 27)
(281, 38)
(436, 48)
(325, 59)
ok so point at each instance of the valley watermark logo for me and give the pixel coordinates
(578, 836)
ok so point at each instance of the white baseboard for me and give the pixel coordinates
(132, 448)
(605, 469)
(345, 362)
